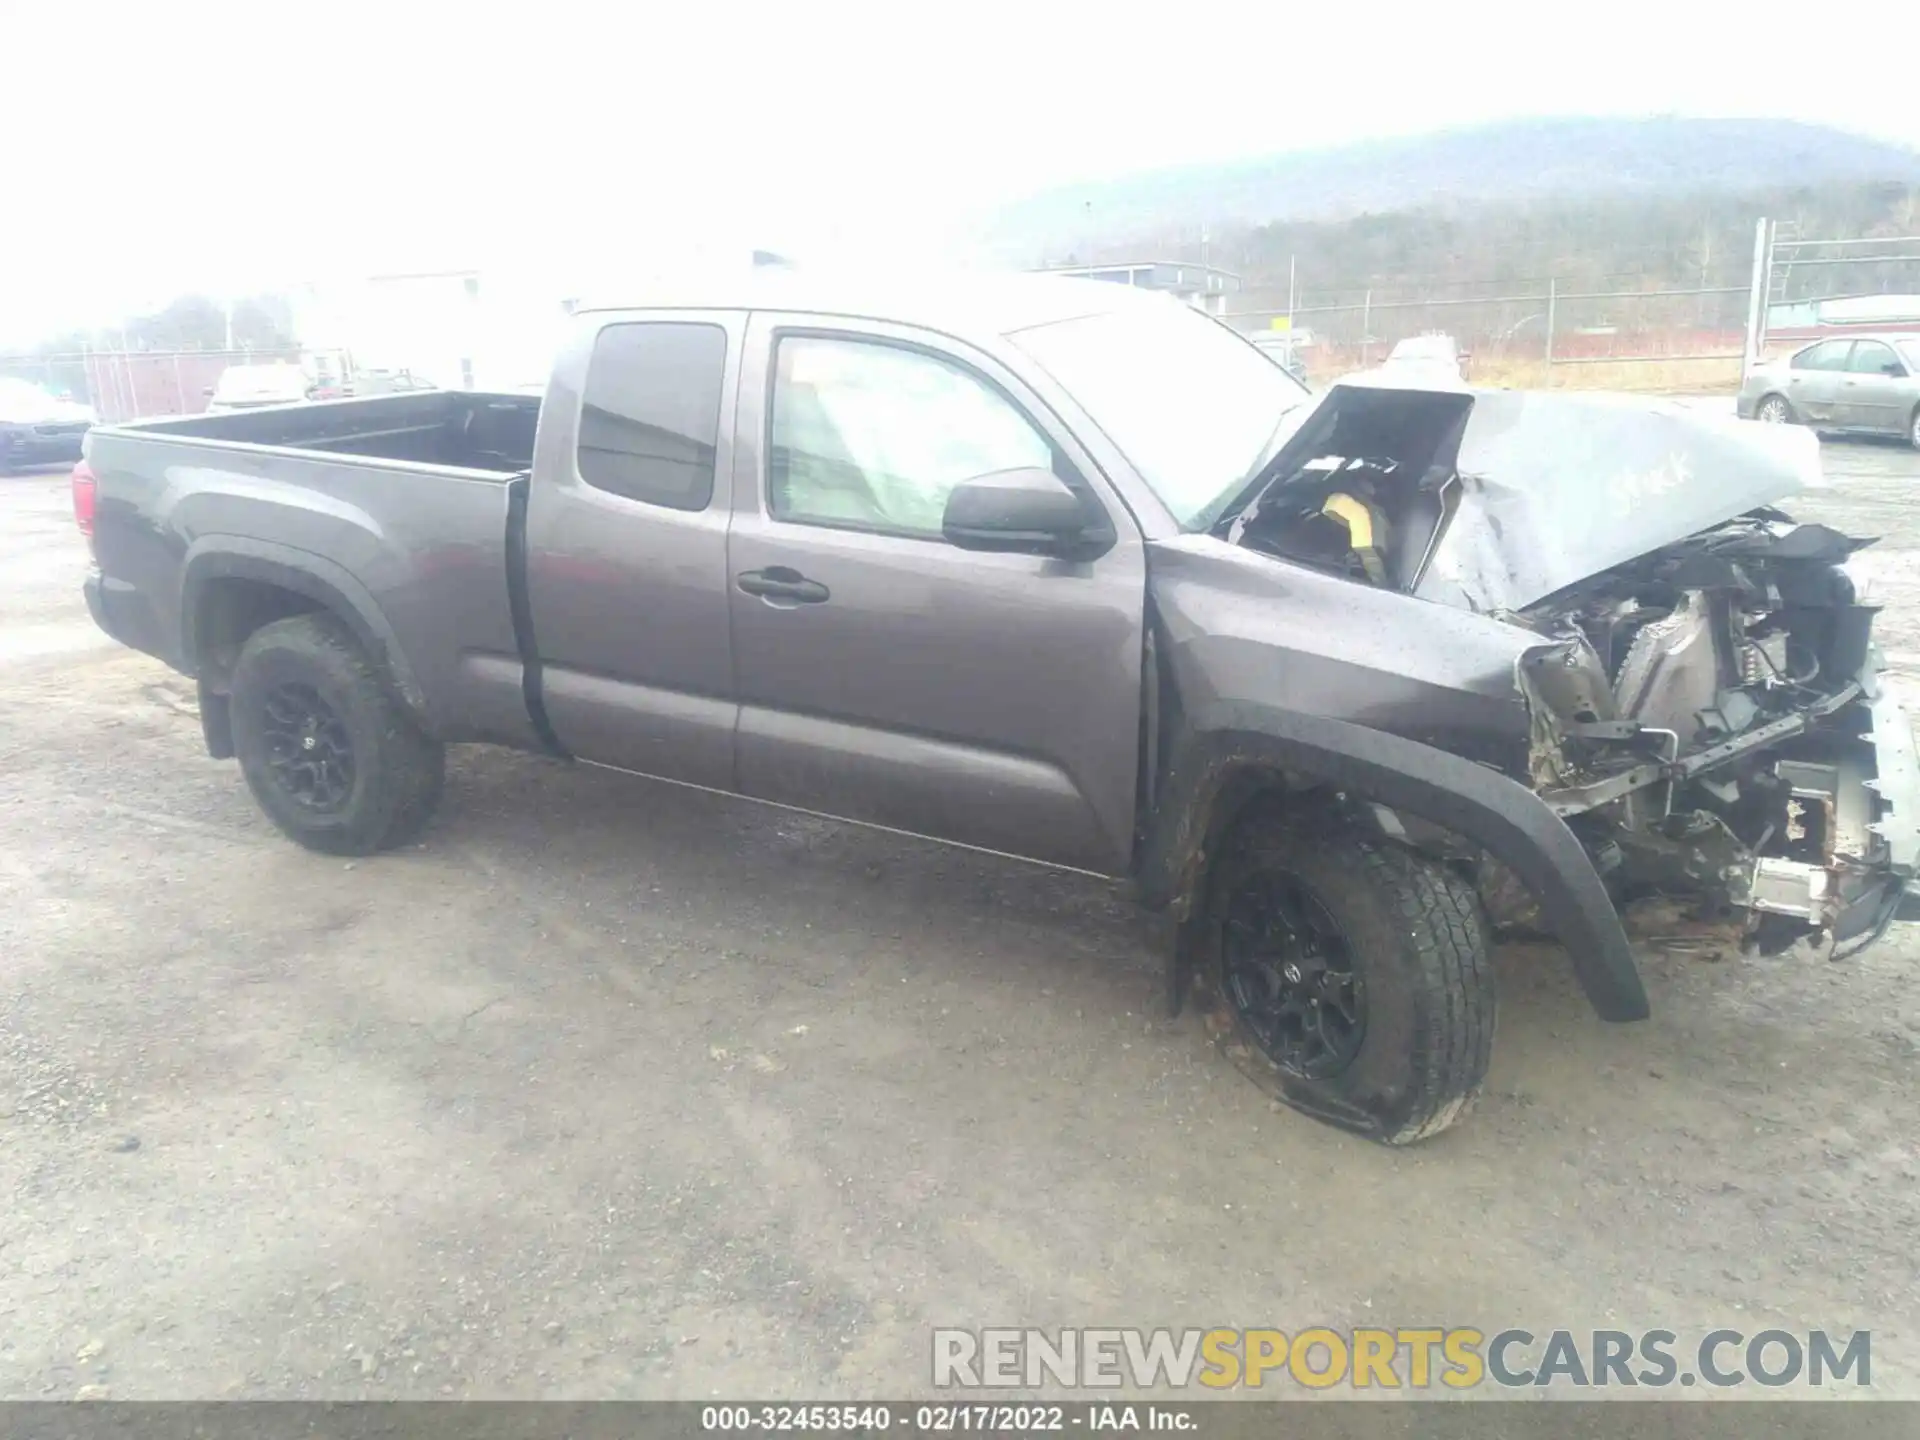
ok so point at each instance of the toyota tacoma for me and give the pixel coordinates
(1051, 568)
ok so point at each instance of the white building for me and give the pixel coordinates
(458, 328)
(490, 327)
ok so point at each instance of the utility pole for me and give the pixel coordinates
(1290, 277)
(1553, 294)
(1706, 265)
(1756, 300)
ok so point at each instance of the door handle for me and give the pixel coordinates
(778, 582)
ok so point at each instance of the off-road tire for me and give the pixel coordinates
(1418, 942)
(398, 771)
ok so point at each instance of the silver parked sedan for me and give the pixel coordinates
(1864, 383)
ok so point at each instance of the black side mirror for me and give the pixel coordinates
(1029, 511)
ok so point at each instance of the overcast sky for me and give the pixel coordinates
(203, 145)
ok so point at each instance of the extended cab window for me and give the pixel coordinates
(868, 436)
(650, 421)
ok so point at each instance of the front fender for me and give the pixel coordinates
(1227, 738)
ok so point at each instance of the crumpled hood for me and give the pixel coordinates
(1560, 487)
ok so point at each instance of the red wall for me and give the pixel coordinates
(126, 386)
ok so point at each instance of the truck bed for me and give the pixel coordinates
(465, 430)
(395, 511)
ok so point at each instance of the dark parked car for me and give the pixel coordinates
(1866, 384)
(38, 427)
(1069, 572)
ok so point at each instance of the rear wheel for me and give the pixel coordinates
(1774, 410)
(1349, 978)
(1913, 428)
(328, 752)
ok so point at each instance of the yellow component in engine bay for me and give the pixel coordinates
(1366, 531)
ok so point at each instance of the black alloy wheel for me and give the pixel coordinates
(1345, 974)
(309, 752)
(1289, 975)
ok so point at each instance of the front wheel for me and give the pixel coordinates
(1349, 977)
(328, 752)
(1913, 428)
(1774, 410)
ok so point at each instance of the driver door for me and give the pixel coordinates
(1876, 390)
(887, 676)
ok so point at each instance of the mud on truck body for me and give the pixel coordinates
(1343, 685)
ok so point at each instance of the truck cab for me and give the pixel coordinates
(1070, 572)
(769, 489)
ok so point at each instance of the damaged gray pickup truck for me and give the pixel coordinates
(1072, 573)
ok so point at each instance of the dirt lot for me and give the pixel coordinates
(612, 1089)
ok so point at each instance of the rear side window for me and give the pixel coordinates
(1828, 355)
(650, 422)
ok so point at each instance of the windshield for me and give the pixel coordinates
(1192, 406)
(22, 402)
(21, 392)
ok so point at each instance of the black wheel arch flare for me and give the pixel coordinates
(1222, 745)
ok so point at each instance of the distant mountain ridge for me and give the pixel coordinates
(1508, 162)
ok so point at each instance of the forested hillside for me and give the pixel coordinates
(1598, 204)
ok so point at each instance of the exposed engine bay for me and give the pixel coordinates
(1705, 722)
(1704, 709)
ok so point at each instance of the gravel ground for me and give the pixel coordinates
(614, 1089)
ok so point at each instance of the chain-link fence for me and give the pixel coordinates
(1536, 335)
(125, 384)
(1608, 332)
(57, 374)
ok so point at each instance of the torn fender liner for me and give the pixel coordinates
(1506, 819)
(1560, 487)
